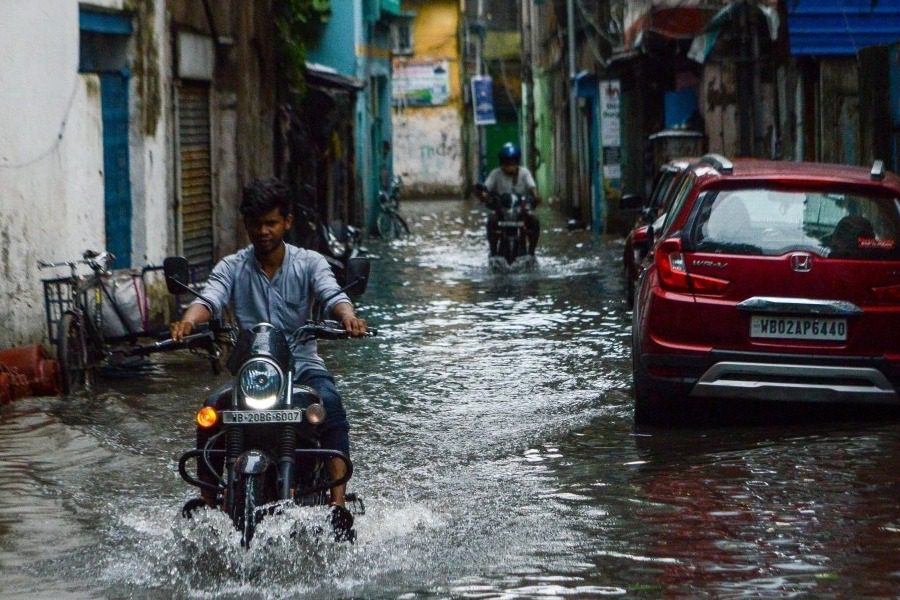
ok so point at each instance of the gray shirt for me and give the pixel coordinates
(284, 301)
(501, 183)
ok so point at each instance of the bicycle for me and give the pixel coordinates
(391, 225)
(79, 308)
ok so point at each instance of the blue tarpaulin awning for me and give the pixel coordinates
(841, 27)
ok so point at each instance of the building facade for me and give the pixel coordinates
(427, 98)
(356, 43)
(126, 126)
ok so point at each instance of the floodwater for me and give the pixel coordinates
(494, 449)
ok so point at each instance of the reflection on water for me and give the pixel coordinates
(494, 447)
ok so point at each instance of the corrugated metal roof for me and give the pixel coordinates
(841, 27)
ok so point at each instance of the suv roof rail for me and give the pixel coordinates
(877, 171)
(719, 162)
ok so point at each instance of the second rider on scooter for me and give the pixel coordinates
(278, 283)
(511, 178)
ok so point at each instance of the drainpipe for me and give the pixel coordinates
(479, 71)
(759, 133)
(527, 33)
(573, 107)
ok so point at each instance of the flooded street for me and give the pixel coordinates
(494, 448)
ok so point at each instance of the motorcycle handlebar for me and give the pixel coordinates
(329, 330)
(188, 341)
(97, 261)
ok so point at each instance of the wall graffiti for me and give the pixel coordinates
(427, 148)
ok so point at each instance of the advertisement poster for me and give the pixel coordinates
(483, 100)
(611, 129)
(421, 83)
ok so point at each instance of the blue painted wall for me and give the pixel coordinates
(356, 43)
(337, 46)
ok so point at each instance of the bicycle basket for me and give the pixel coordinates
(57, 300)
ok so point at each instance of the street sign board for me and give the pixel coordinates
(483, 100)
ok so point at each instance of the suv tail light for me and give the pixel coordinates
(673, 275)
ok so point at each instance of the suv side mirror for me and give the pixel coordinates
(178, 274)
(631, 203)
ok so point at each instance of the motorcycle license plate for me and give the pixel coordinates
(511, 223)
(258, 417)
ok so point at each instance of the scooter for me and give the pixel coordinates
(341, 245)
(258, 434)
(510, 210)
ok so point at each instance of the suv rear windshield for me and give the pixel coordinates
(772, 222)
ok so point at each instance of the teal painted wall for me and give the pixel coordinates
(337, 46)
(356, 44)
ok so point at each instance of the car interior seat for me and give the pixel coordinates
(729, 221)
(845, 237)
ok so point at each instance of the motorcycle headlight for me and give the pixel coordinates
(260, 383)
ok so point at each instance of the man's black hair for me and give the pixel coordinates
(262, 195)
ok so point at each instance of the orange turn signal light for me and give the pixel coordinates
(207, 417)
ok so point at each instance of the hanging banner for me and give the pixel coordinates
(483, 100)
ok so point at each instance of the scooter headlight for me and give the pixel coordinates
(260, 383)
(337, 247)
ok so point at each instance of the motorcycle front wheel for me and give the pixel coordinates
(247, 501)
(512, 249)
(71, 352)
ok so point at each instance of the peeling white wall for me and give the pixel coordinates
(51, 160)
(152, 161)
(427, 150)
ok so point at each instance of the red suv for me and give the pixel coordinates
(770, 281)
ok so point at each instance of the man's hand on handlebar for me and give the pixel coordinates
(193, 316)
(180, 329)
(355, 326)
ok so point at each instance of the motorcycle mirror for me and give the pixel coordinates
(178, 273)
(358, 272)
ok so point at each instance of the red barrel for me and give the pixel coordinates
(30, 371)
(6, 393)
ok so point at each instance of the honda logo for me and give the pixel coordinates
(801, 263)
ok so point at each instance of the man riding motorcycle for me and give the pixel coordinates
(278, 283)
(511, 178)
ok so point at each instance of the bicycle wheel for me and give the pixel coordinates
(71, 355)
(401, 229)
(385, 225)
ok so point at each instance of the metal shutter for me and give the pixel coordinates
(195, 173)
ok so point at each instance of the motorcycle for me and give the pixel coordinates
(340, 245)
(258, 435)
(510, 210)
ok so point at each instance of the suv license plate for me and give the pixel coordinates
(798, 328)
(511, 223)
(257, 417)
